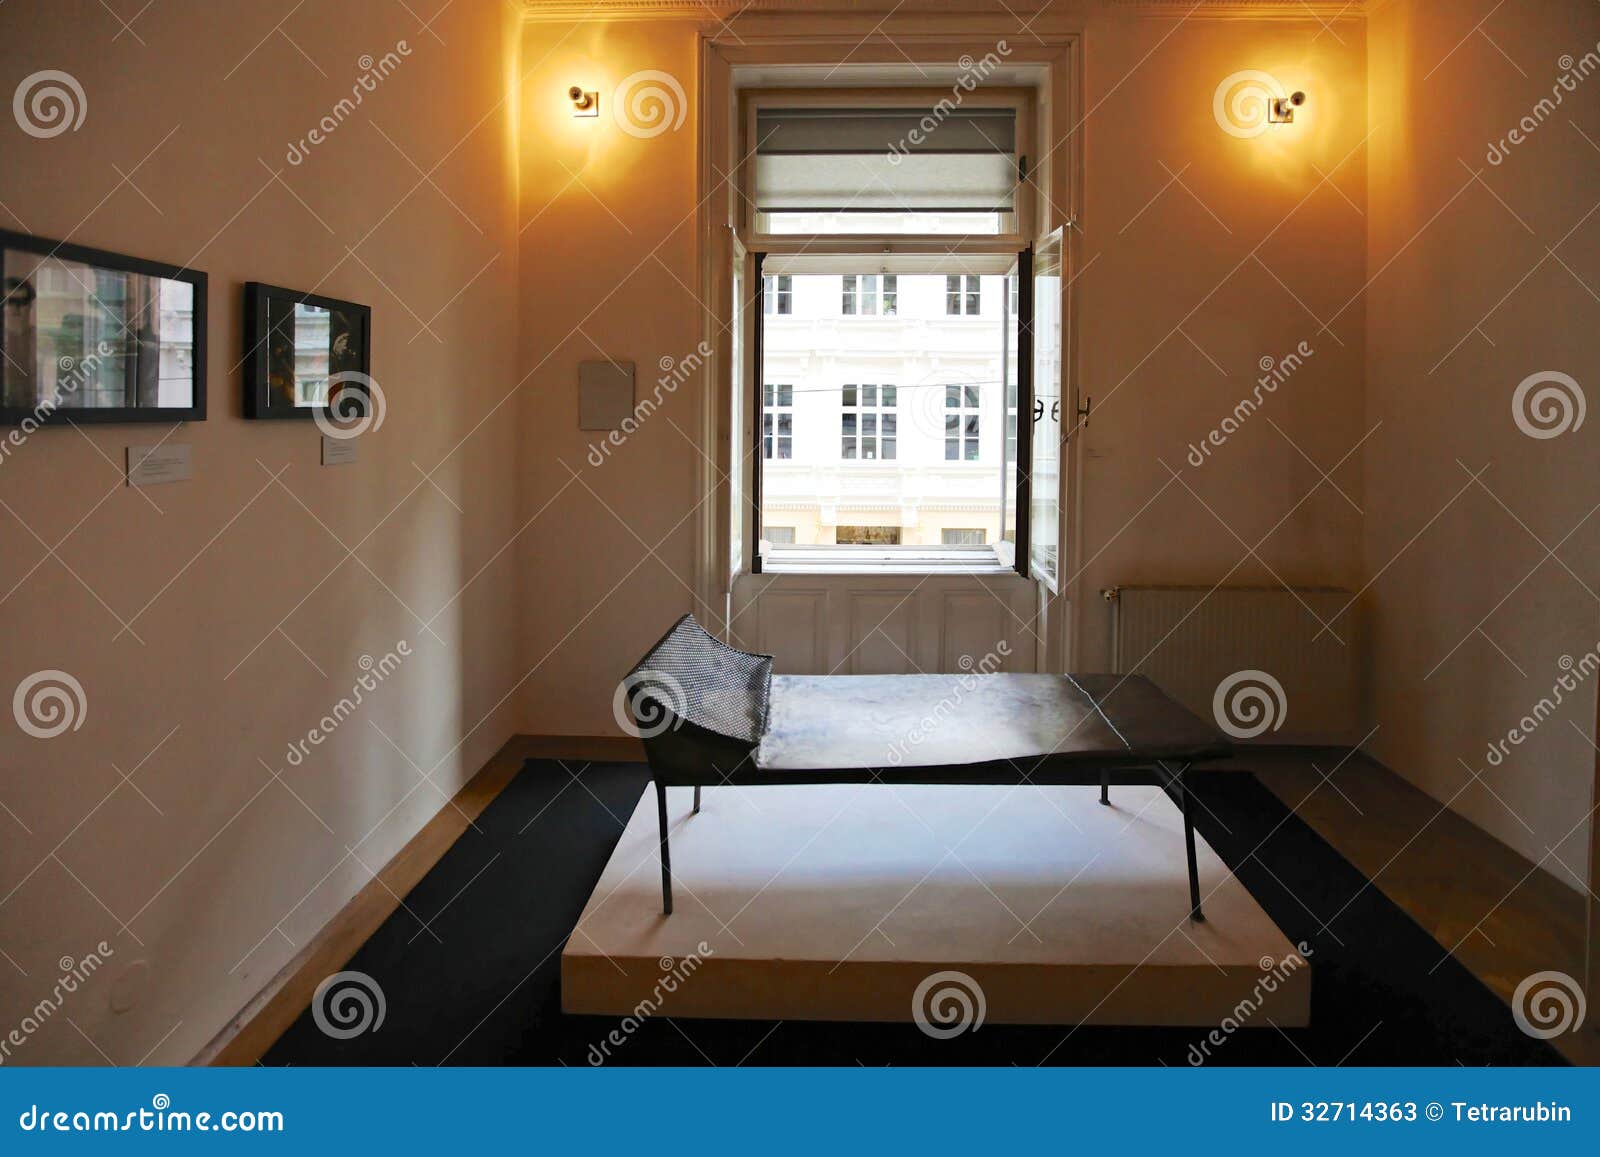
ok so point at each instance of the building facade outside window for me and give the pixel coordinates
(963, 296)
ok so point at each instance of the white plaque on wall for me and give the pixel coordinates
(605, 394)
(338, 451)
(154, 465)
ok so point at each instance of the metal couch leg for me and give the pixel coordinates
(697, 799)
(666, 854)
(1105, 788)
(1188, 839)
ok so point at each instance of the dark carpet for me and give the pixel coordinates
(480, 983)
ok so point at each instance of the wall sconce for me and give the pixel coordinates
(587, 104)
(1281, 110)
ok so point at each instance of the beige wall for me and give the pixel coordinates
(556, 240)
(1470, 622)
(206, 868)
(616, 215)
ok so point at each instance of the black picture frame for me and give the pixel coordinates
(268, 394)
(20, 294)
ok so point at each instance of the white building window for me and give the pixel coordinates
(869, 295)
(962, 536)
(868, 422)
(777, 421)
(963, 411)
(963, 296)
(781, 535)
(777, 294)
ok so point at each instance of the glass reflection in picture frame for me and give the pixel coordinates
(90, 336)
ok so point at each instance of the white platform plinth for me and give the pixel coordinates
(834, 902)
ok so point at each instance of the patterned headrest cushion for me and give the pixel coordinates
(692, 676)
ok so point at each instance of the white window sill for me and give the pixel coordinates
(918, 560)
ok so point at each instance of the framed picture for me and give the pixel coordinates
(90, 336)
(302, 350)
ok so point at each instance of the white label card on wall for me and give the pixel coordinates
(154, 465)
(338, 451)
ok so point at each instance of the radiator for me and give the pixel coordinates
(1257, 661)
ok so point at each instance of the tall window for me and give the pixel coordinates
(892, 224)
(869, 295)
(777, 421)
(963, 296)
(868, 423)
(777, 294)
(961, 419)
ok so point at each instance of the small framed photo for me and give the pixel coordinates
(302, 351)
(91, 336)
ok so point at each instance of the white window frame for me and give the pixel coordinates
(968, 293)
(1048, 67)
(774, 295)
(963, 412)
(770, 413)
(857, 289)
(853, 404)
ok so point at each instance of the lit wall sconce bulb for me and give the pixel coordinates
(584, 104)
(1282, 110)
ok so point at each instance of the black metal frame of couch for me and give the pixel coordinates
(683, 754)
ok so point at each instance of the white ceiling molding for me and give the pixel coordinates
(585, 11)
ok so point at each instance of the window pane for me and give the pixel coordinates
(869, 425)
(849, 395)
(869, 395)
(889, 423)
(848, 449)
(972, 397)
(952, 395)
(888, 448)
(848, 424)
(785, 395)
(952, 449)
(889, 397)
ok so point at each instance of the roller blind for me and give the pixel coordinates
(875, 160)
